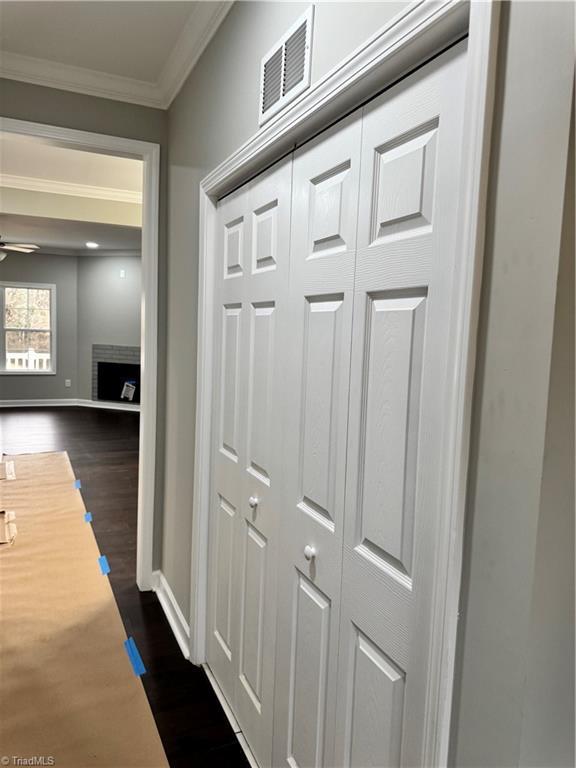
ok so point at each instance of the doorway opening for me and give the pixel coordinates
(143, 386)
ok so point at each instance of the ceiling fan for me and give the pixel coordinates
(5, 248)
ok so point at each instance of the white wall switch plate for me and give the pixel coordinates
(67, 382)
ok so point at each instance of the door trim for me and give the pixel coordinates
(149, 153)
(410, 39)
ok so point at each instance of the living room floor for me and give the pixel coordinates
(103, 448)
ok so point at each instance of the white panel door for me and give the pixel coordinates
(253, 243)
(404, 294)
(228, 442)
(316, 350)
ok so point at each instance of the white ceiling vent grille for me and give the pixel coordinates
(285, 70)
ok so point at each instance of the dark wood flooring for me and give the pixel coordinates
(103, 449)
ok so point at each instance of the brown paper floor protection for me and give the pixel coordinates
(67, 688)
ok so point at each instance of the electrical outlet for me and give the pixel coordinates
(67, 382)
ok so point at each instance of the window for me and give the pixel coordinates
(27, 343)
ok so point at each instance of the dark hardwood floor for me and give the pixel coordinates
(103, 449)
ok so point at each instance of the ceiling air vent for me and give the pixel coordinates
(285, 70)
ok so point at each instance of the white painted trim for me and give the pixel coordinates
(247, 751)
(194, 37)
(202, 452)
(475, 160)
(150, 155)
(68, 402)
(408, 40)
(222, 699)
(53, 187)
(230, 715)
(64, 77)
(178, 623)
(87, 253)
(411, 37)
(107, 405)
(51, 403)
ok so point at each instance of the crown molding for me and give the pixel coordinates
(195, 36)
(193, 40)
(54, 187)
(84, 253)
(64, 77)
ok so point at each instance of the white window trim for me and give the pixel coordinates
(53, 339)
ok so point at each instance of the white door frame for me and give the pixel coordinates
(418, 33)
(150, 155)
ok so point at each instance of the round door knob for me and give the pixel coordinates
(309, 552)
(253, 502)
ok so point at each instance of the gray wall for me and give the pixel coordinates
(108, 309)
(94, 305)
(500, 622)
(214, 113)
(548, 721)
(62, 271)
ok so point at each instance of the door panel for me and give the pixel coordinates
(228, 447)
(392, 380)
(253, 238)
(401, 335)
(374, 719)
(224, 575)
(323, 329)
(229, 406)
(266, 303)
(261, 372)
(317, 360)
(310, 635)
(253, 614)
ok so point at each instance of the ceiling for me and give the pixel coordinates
(134, 51)
(29, 162)
(57, 236)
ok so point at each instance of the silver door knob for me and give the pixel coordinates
(309, 552)
(253, 502)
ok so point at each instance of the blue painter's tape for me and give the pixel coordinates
(77, 484)
(104, 567)
(134, 656)
(88, 517)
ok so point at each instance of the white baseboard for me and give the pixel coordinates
(222, 699)
(70, 401)
(178, 623)
(231, 719)
(181, 631)
(109, 406)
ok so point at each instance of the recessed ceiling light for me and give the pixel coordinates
(90, 244)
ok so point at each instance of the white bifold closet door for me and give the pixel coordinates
(374, 212)
(334, 312)
(252, 252)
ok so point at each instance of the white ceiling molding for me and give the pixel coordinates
(203, 22)
(50, 250)
(67, 188)
(65, 77)
(196, 34)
